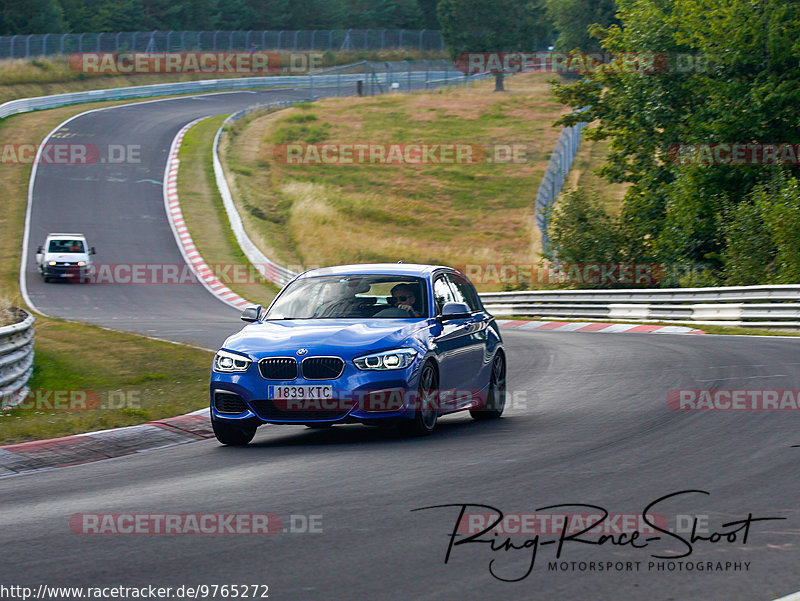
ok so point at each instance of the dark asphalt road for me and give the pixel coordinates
(120, 208)
(589, 424)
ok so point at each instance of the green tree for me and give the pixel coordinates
(724, 73)
(103, 15)
(573, 18)
(427, 9)
(379, 14)
(493, 26)
(581, 231)
(30, 16)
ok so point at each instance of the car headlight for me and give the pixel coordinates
(397, 359)
(81, 263)
(230, 362)
(51, 262)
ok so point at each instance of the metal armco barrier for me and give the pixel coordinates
(758, 306)
(407, 74)
(16, 358)
(270, 270)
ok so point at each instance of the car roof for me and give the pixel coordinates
(400, 269)
(65, 235)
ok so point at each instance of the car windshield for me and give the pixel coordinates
(65, 246)
(352, 296)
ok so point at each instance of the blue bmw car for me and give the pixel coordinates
(380, 344)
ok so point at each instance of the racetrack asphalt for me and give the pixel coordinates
(587, 423)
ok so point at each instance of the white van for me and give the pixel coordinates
(65, 256)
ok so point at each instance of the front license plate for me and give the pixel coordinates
(305, 392)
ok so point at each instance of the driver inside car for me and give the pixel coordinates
(403, 303)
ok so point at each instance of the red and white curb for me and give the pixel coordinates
(105, 444)
(616, 328)
(189, 251)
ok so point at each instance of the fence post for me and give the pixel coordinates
(421, 33)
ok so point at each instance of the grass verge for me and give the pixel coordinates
(591, 156)
(79, 386)
(207, 220)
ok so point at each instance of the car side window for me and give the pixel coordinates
(442, 293)
(464, 292)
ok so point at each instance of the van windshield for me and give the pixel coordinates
(65, 246)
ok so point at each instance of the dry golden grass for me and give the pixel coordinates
(8, 314)
(21, 78)
(591, 156)
(451, 214)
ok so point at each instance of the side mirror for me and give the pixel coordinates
(455, 311)
(39, 250)
(92, 251)
(251, 314)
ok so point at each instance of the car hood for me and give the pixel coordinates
(66, 257)
(343, 337)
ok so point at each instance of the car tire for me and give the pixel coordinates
(496, 395)
(233, 435)
(427, 413)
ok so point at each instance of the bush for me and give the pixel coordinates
(581, 231)
(762, 245)
(749, 251)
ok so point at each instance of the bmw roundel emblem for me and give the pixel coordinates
(302, 351)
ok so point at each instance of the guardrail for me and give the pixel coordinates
(269, 270)
(757, 306)
(404, 74)
(16, 359)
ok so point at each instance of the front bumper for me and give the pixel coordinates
(358, 397)
(70, 271)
